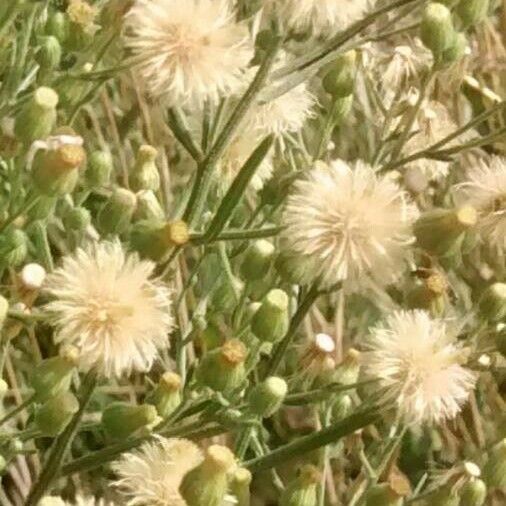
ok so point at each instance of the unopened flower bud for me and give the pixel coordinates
(77, 219)
(348, 370)
(271, 321)
(207, 484)
(340, 78)
(222, 369)
(257, 260)
(439, 231)
(53, 375)
(492, 305)
(148, 207)
(266, 397)
(437, 30)
(32, 276)
(167, 395)
(13, 247)
(57, 25)
(144, 175)
(116, 215)
(177, 232)
(55, 414)
(239, 486)
(382, 495)
(472, 12)
(37, 119)
(121, 419)
(49, 55)
(473, 493)
(494, 472)
(99, 169)
(303, 491)
(457, 50)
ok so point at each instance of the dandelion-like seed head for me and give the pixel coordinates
(417, 365)
(486, 191)
(346, 223)
(153, 474)
(188, 51)
(107, 305)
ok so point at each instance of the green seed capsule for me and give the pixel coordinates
(99, 169)
(77, 219)
(55, 414)
(472, 12)
(117, 213)
(13, 247)
(167, 395)
(271, 321)
(437, 31)
(145, 174)
(37, 119)
(457, 50)
(222, 369)
(207, 484)
(492, 305)
(267, 397)
(121, 419)
(473, 493)
(340, 78)
(257, 260)
(303, 491)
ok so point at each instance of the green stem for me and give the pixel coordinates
(198, 238)
(314, 441)
(178, 126)
(62, 445)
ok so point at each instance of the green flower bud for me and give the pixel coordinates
(257, 260)
(167, 395)
(239, 486)
(437, 31)
(473, 493)
(492, 305)
(55, 414)
(37, 119)
(267, 397)
(13, 247)
(303, 491)
(472, 12)
(77, 219)
(494, 471)
(207, 484)
(340, 78)
(4, 308)
(116, 215)
(56, 171)
(222, 369)
(271, 321)
(121, 419)
(348, 370)
(456, 51)
(99, 169)
(54, 375)
(58, 26)
(439, 231)
(145, 174)
(382, 495)
(49, 55)
(148, 207)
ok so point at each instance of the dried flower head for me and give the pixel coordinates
(107, 304)
(188, 51)
(486, 191)
(418, 366)
(153, 474)
(321, 16)
(346, 223)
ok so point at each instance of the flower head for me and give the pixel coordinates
(418, 366)
(486, 191)
(188, 51)
(345, 223)
(153, 474)
(321, 16)
(107, 304)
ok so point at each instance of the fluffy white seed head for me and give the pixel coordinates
(485, 190)
(153, 474)
(417, 365)
(188, 51)
(346, 223)
(319, 16)
(106, 303)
